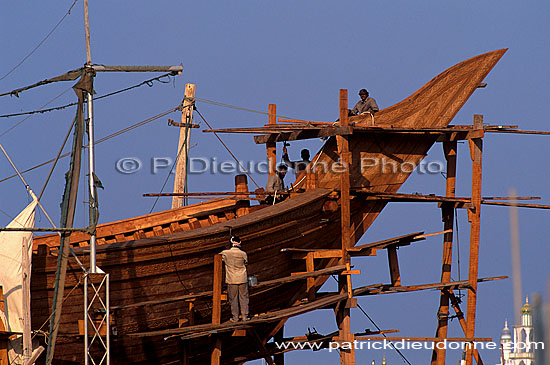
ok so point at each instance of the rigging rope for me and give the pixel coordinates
(41, 42)
(378, 328)
(217, 103)
(228, 150)
(122, 131)
(30, 116)
(183, 146)
(146, 82)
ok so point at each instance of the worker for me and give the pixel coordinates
(236, 279)
(365, 105)
(298, 166)
(275, 182)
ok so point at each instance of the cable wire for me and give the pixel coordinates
(383, 334)
(122, 131)
(24, 119)
(146, 82)
(228, 150)
(41, 42)
(217, 103)
(379, 329)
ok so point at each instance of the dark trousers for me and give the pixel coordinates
(238, 297)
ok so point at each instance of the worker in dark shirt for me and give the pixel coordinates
(298, 166)
(365, 105)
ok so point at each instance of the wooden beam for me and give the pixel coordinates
(183, 145)
(216, 354)
(207, 329)
(388, 289)
(261, 285)
(105, 68)
(261, 346)
(279, 338)
(309, 133)
(4, 340)
(310, 267)
(397, 241)
(347, 357)
(476, 148)
(536, 206)
(461, 135)
(394, 266)
(304, 122)
(447, 213)
(271, 147)
(460, 315)
(426, 339)
(217, 290)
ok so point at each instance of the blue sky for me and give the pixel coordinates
(297, 55)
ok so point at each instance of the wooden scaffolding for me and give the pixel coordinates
(346, 296)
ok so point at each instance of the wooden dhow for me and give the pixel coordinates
(162, 262)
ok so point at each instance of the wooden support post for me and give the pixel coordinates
(241, 186)
(279, 338)
(26, 287)
(447, 213)
(460, 316)
(394, 266)
(183, 145)
(272, 146)
(261, 346)
(310, 267)
(476, 149)
(347, 357)
(216, 354)
(217, 290)
(3, 341)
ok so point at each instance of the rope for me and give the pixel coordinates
(184, 145)
(228, 150)
(457, 248)
(217, 103)
(383, 334)
(378, 328)
(122, 131)
(146, 82)
(57, 158)
(24, 119)
(41, 42)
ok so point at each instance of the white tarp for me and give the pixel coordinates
(11, 269)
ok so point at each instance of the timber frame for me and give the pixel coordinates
(336, 207)
(346, 296)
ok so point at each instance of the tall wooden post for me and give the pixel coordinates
(183, 145)
(217, 308)
(476, 149)
(25, 263)
(447, 213)
(347, 357)
(4, 340)
(279, 338)
(241, 186)
(272, 146)
(217, 290)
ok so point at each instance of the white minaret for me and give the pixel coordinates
(506, 344)
(518, 349)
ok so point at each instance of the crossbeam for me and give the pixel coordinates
(387, 289)
(260, 285)
(105, 68)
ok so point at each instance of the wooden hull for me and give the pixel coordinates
(176, 257)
